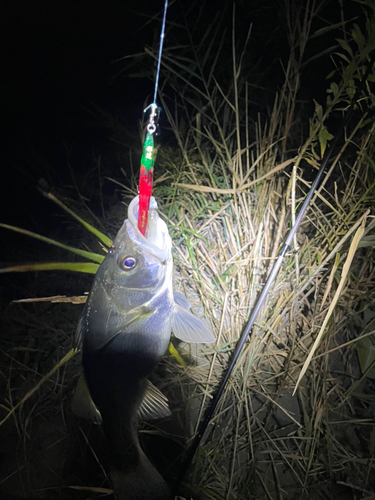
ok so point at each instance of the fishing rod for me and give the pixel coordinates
(285, 248)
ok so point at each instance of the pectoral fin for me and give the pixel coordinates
(82, 405)
(154, 404)
(181, 300)
(189, 328)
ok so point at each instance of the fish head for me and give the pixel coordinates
(138, 266)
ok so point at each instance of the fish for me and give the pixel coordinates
(123, 332)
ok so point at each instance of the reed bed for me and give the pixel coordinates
(296, 419)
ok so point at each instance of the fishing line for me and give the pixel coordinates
(162, 34)
(146, 173)
(286, 247)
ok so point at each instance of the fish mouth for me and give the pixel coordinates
(156, 241)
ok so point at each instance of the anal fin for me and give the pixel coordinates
(154, 404)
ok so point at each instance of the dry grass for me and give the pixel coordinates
(231, 191)
(237, 191)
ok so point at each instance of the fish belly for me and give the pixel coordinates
(117, 373)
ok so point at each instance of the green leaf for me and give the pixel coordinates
(177, 230)
(173, 351)
(366, 355)
(358, 37)
(318, 111)
(346, 47)
(334, 88)
(351, 89)
(82, 253)
(331, 74)
(78, 267)
(346, 59)
(367, 241)
(324, 137)
(101, 236)
(228, 272)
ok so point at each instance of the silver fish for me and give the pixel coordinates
(123, 332)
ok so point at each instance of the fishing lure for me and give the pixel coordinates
(146, 176)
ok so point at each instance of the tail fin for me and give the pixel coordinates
(142, 482)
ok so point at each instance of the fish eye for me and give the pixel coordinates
(126, 262)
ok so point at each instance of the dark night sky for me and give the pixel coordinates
(56, 56)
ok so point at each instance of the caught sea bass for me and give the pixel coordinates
(124, 331)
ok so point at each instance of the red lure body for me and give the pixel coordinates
(146, 176)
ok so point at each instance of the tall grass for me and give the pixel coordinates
(238, 182)
(232, 175)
